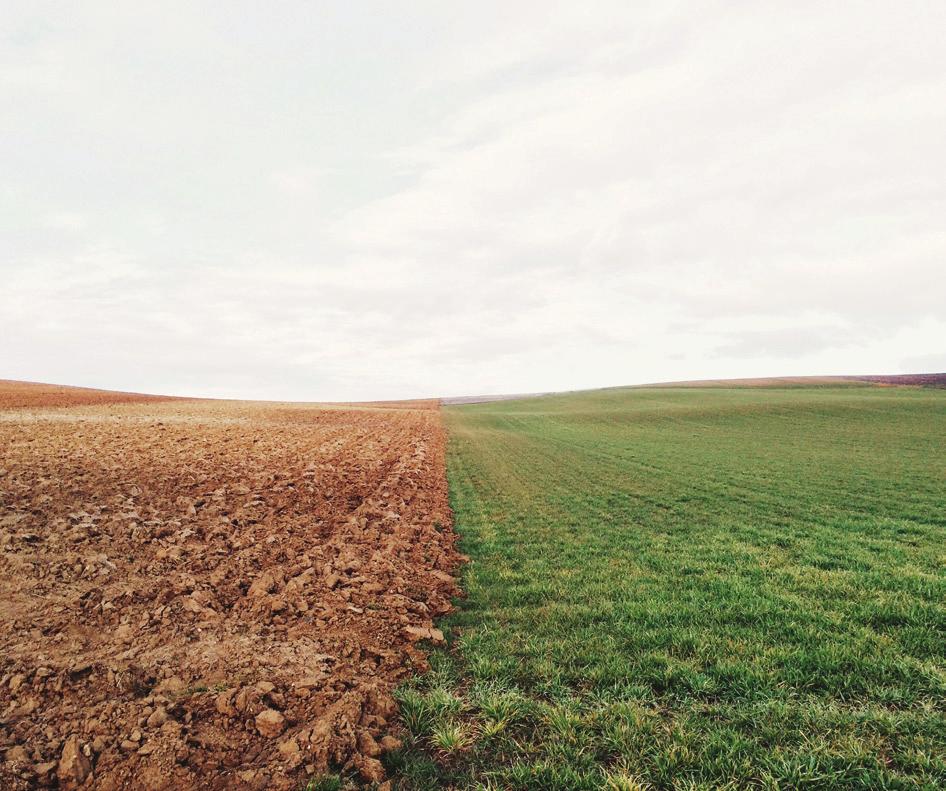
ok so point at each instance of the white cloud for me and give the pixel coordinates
(425, 201)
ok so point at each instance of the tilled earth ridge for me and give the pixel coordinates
(214, 595)
(15, 395)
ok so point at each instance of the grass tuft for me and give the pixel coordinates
(449, 738)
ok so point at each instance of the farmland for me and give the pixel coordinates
(693, 588)
(211, 594)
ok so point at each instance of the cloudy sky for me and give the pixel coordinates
(376, 200)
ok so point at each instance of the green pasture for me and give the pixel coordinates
(693, 588)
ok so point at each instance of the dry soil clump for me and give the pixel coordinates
(199, 594)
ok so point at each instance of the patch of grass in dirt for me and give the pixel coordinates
(325, 783)
(694, 588)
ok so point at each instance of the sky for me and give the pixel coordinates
(354, 201)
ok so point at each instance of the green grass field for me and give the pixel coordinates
(693, 588)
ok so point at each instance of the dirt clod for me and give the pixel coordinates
(270, 723)
(74, 765)
(157, 718)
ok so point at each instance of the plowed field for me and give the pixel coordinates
(207, 594)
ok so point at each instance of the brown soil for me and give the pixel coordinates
(15, 395)
(201, 594)
(910, 380)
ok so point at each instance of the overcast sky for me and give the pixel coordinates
(380, 200)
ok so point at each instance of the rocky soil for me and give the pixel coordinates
(200, 594)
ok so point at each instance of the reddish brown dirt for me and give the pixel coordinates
(911, 380)
(15, 395)
(200, 594)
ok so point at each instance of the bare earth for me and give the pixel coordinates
(210, 594)
(15, 395)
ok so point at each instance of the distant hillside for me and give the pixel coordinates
(482, 399)
(914, 380)
(883, 380)
(15, 395)
(920, 380)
